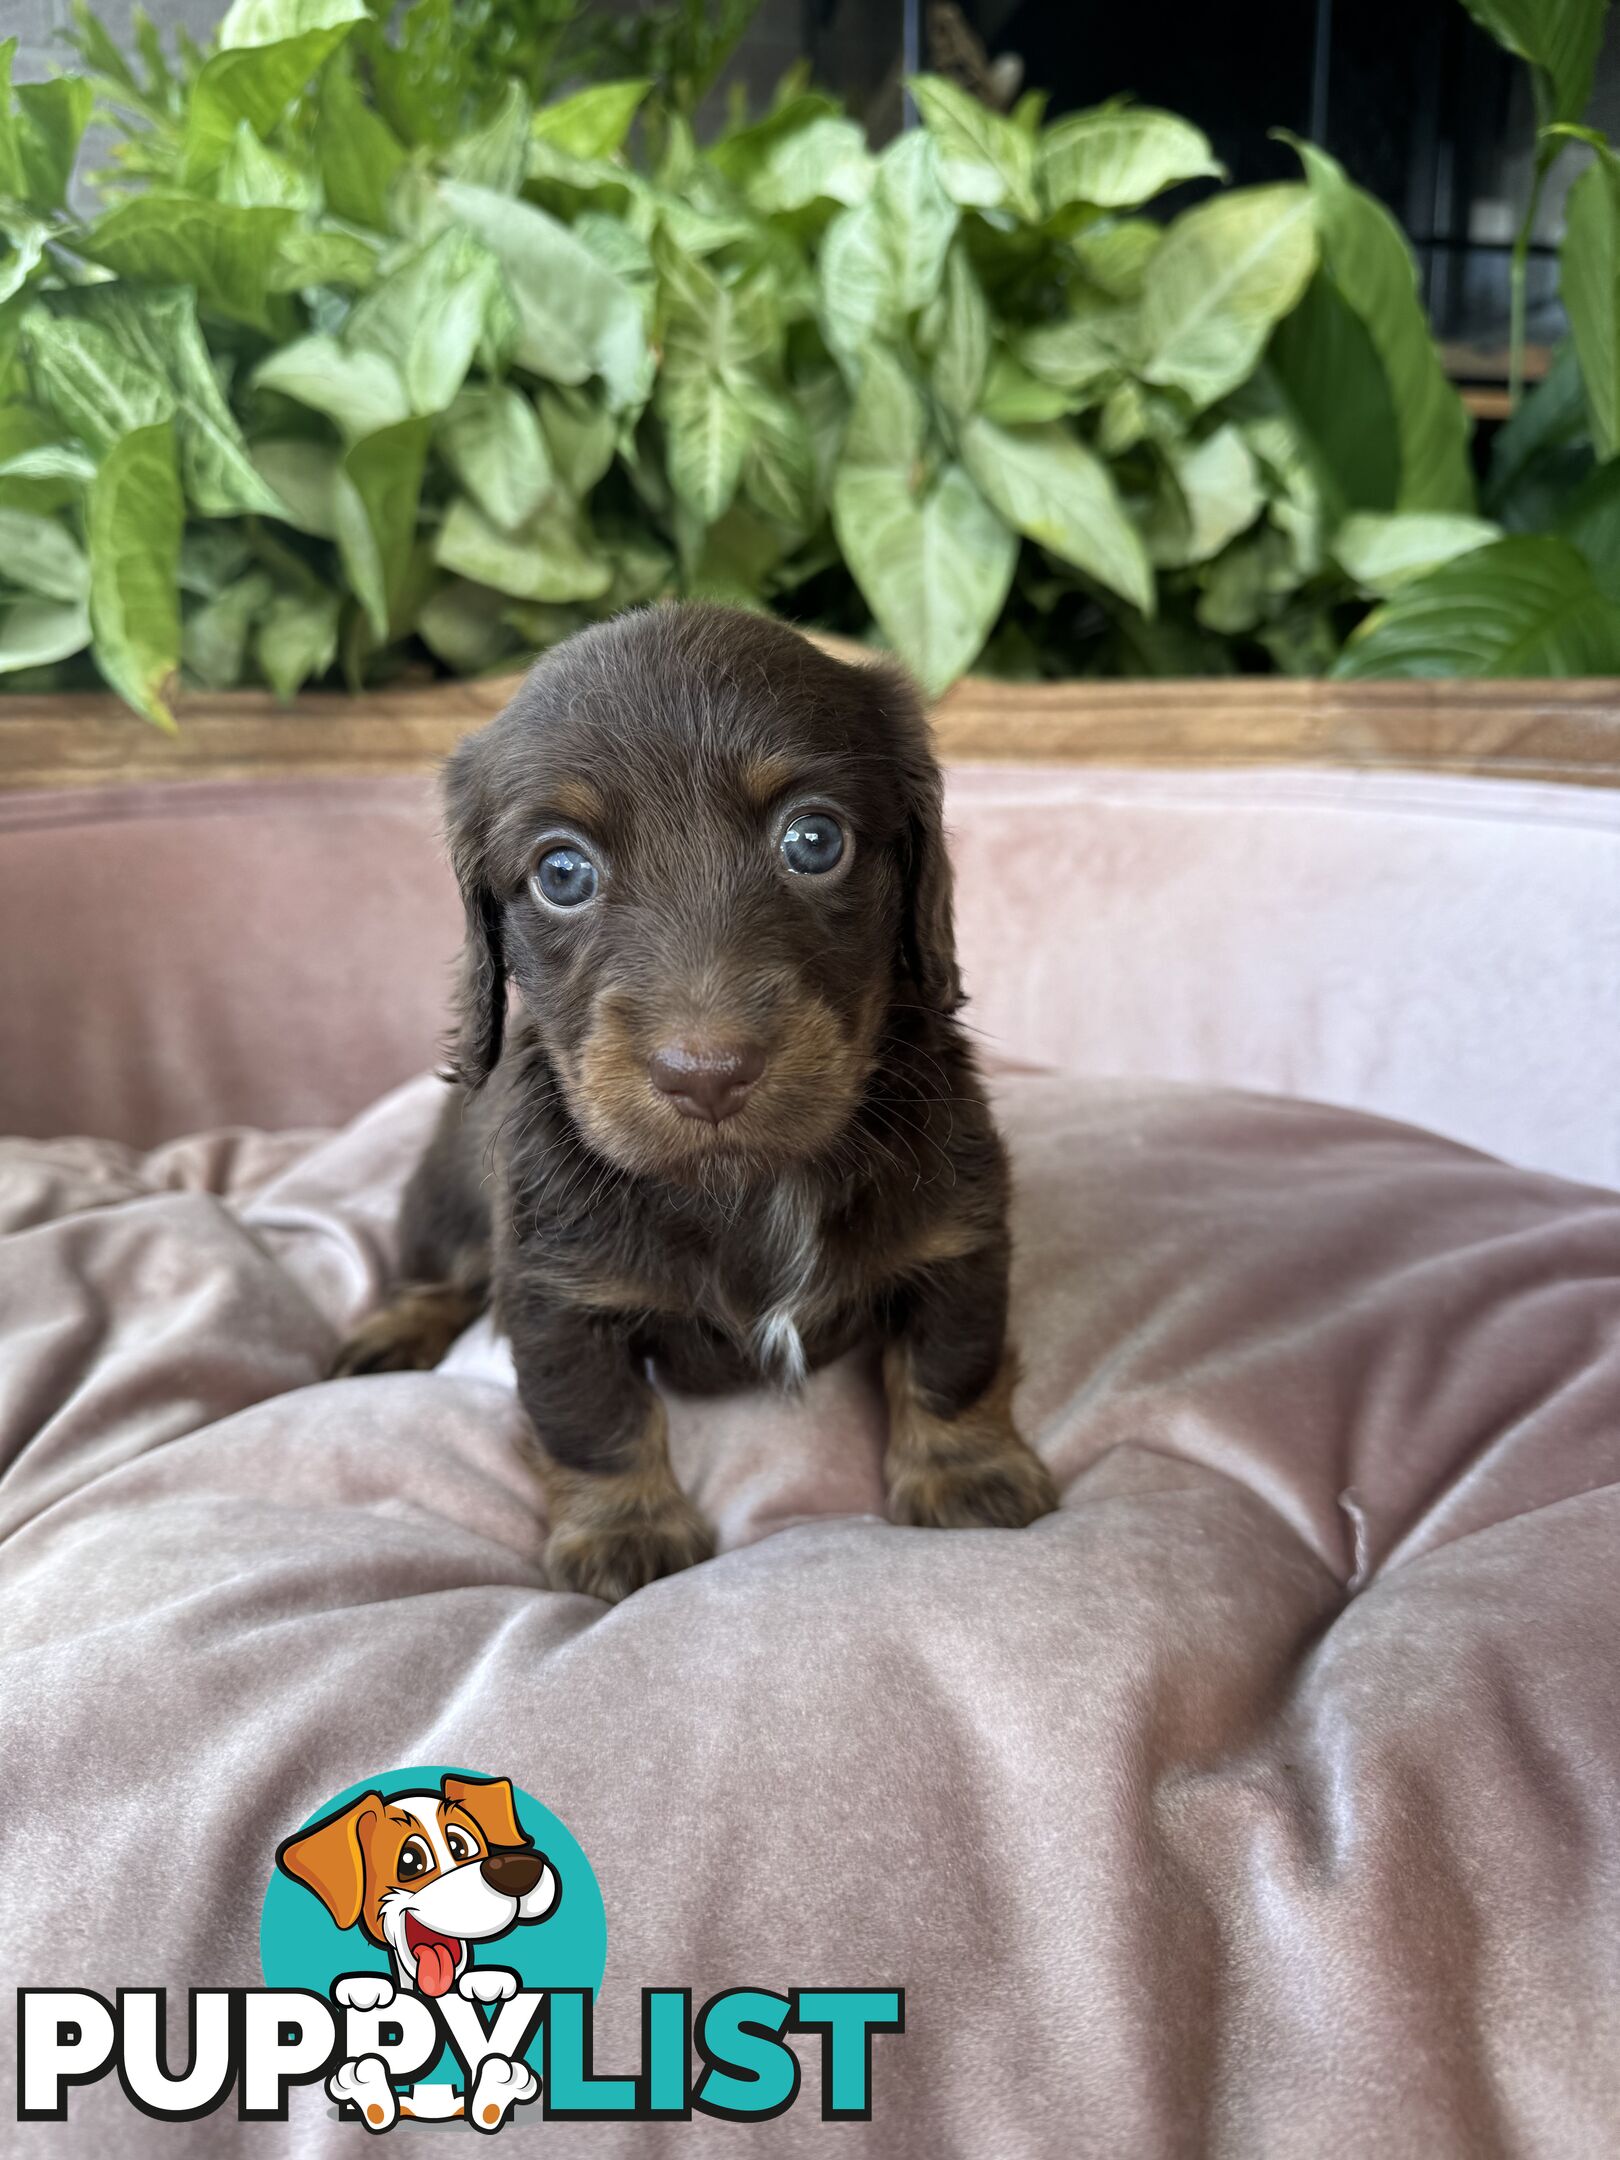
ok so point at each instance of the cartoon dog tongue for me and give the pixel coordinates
(435, 1965)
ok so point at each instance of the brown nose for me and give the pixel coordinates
(513, 1874)
(706, 1080)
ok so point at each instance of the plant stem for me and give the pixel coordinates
(1546, 153)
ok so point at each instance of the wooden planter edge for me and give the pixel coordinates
(1556, 730)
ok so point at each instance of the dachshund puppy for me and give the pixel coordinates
(732, 1127)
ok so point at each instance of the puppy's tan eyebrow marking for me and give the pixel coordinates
(578, 800)
(764, 778)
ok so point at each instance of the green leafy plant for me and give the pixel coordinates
(369, 362)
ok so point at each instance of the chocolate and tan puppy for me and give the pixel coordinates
(732, 1125)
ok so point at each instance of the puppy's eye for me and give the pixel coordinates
(414, 1860)
(565, 877)
(462, 1847)
(813, 844)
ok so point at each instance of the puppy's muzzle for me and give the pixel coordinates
(513, 1874)
(704, 1079)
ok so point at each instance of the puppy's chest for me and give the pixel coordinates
(773, 1283)
(773, 1280)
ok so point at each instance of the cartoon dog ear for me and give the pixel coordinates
(489, 1802)
(329, 1859)
(475, 1047)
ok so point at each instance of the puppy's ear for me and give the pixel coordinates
(474, 1049)
(329, 1858)
(489, 1802)
(928, 937)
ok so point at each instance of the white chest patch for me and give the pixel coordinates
(794, 1245)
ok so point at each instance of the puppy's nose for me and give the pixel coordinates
(513, 1874)
(706, 1080)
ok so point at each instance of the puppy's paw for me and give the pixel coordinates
(363, 2085)
(487, 1984)
(502, 2085)
(1002, 1490)
(411, 1333)
(364, 1991)
(616, 1552)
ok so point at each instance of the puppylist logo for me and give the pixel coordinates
(432, 1944)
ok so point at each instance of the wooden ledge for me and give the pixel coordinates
(1557, 731)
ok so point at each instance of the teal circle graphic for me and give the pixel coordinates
(302, 1946)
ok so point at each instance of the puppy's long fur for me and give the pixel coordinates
(859, 1189)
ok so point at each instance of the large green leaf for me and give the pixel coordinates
(135, 515)
(826, 160)
(1384, 553)
(576, 318)
(551, 558)
(84, 376)
(268, 52)
(580, 436)
(959, 343)
(159, 332)
(1227, 271)
(715, 335)
(214, 641)
(1591, 521)
(12, 180)
(36, 633)
(431, 314)
(918, 215)
(374, 507)
(1212, 493)
(492, 442)
(1364, 253)
(593, 122)
(1083, 349)
(361, 391)
(1325, 368)
(495, 155)
(1121, 155)
(1591, 291)
(41, 556)
(1560, 40)
(222, 249)
(297, 639)
(932, 558)
(356, 150)
(252, 174)
(51, 120)
(779, 470)
(1046, 484)
(466, 626)
(1526, 606)
(304, 475)
(986, 161)
(706, 435)
(24, 240)
(885, 257)
(1544, 452)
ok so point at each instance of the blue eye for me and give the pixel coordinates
(565, 877)
(813, 844)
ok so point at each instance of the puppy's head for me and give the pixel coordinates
(427, 1874)
(709, 856)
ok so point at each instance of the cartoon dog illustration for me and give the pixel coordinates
(428, 1875)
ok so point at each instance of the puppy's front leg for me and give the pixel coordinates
(955, 1458)
(618, 1518)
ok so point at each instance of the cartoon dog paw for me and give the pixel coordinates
(502, 2085)
(364, 1991)
(487, 1984)
(364, 2085)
